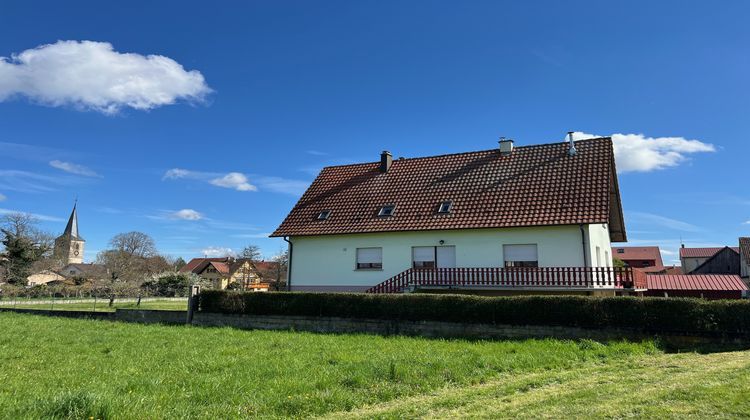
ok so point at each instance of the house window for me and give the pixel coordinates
(369, 258)
(433, 256)
(323, 215)
(445, 207)
(387, 210)
(520, 255)
(620, 251)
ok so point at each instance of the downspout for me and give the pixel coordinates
(289, 263)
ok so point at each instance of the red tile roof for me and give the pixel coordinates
(221, 267)
(196, 262)
(745, 249)
(638, 253)
(703, 252)
(695, 282)
(537, 185)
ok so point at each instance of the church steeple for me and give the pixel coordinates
(69, 246)
(72, 228)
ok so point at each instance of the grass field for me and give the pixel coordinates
(66, 368)
(102, 305)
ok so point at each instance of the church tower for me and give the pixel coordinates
(69, 246)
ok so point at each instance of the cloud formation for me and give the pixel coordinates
(241, 182)
(42, 217)
(91, 75)
(215, 252)
(235, 181)
(187, 214)
(73, 168)
(657, 220)
(638, 153)
(2, 197)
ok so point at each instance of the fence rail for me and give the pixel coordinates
(517, 277)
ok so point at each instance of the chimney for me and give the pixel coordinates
(572, 151)
(506, 146)
(386, 160)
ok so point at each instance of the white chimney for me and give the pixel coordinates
(506, 146)
(572, 151)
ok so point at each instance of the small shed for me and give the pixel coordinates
(708, 286)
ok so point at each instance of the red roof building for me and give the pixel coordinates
(638, 256)
(709, 286)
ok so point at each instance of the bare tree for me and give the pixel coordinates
(251, 252)
(134, 244)
(132, 257)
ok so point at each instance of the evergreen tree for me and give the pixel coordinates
(19, 255)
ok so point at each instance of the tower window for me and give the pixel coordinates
(386, 211)
(323, 215)
(445, 207)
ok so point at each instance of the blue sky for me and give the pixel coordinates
(228, 111)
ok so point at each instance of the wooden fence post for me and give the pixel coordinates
(192, 303)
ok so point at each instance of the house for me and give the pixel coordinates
(708, 286)
(745, 259)
(531, 218)
(223, 272)
(692, 258)
(70, 274)
(44, 277)
(638, 256)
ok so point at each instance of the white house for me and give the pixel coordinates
(465, 219)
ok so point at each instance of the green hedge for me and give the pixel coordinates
(644, 314)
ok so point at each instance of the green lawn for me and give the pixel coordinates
(102, 305)
(66, 368)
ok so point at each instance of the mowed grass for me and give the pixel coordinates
(102, 305)
(67, 368)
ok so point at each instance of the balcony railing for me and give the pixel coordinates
(516, 277)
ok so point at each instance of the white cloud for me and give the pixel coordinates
(73, 168)
(282, 185)
(316, 153)
(91, 75)
(37, 216)
(234, 180)
(214, 251)
(656, 220)
(638, 153)
(186, 214)
(177, 173)
(263, 235)
(3, 198)
(747, 223)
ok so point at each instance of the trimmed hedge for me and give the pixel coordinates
(684, 315)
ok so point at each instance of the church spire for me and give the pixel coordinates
(72, 227)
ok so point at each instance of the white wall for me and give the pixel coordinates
(329, 261)
(598, 236)
(690, 264)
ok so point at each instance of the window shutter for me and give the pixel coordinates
(369, 255)
(424, 253)
(520, 252)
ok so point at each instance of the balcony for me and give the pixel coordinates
(537, 278)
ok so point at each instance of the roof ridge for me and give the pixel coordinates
(528, 146)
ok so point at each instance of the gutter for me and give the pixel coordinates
(289, 263)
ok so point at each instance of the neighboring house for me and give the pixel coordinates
(638, 256)
(44, 277)
(725, 261)
(222, 272)
(692, 258)
(745, 258)
(505, 219)
(708, 286)
(670, 269)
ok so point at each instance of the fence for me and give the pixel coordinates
(104, 299)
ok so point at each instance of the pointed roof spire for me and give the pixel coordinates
(72, 227)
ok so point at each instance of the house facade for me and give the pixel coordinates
(529, 210)
(226, 271)
(692, 258)
(745, 259)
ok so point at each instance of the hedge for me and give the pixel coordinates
(683, 315)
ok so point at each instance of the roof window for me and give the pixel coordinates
(445, 207)
(386, 211)
(323, 215)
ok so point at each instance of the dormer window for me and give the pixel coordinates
(386, 211)
(445, 207)
(323, 215)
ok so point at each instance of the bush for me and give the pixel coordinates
(644, 314)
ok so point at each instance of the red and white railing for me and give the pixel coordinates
(516, 277)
